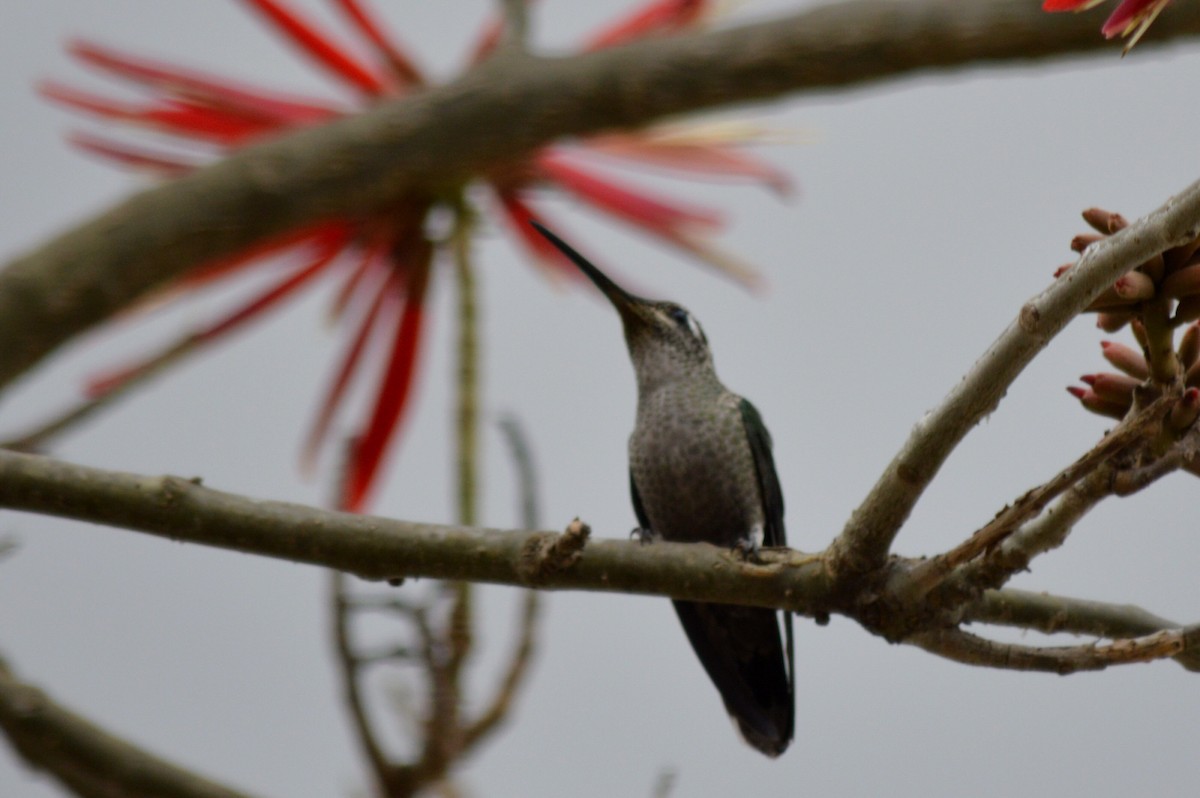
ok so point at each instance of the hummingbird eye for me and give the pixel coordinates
(686, 322)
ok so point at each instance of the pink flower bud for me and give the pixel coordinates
(1125, 358)
(1185, 282)
(1104, 221)
(1189, 346)
(1185, 411)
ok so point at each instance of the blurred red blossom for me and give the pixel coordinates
(384, 260)
(1130, 18)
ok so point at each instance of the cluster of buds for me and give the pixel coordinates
(1154, 300)
(1111, 394)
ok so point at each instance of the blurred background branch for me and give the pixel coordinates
(443, 136)
(88, 760)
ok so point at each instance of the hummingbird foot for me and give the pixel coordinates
(643, 535)
(747, 548)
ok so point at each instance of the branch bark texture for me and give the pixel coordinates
(444, 136)
(1051, 614)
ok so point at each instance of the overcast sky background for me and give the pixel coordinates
(929, 209)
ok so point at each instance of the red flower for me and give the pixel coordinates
(385, 260)
(1130, 17)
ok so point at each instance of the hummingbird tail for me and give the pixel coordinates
(743, 652)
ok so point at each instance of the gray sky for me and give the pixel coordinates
(928, 209)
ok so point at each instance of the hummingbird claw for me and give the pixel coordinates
(643, 535)
(747, 548)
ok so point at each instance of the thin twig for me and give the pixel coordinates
(514, 676)
(969, 649)
(467, 391)
(382, 603)
(1044, 533)
(516, 23)
(349, 663)
(443, 743)
(929, 574)
(1129, 481)
(1050, 530)
(664, 783)
(1050, 614)
(522, 456)
(349, 671)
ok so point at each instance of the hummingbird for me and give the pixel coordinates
(701, 470)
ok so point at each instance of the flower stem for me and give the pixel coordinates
(468, 370)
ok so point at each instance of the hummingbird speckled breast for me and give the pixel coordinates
(701, 470)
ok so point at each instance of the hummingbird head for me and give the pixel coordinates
(665, 341)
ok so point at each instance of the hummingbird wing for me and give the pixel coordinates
(638, 508)
(773, 535)
(768, 480)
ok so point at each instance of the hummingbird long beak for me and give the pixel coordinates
(626, 303)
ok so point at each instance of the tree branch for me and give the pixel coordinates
(379, 548)
(1050, 614)
(868, 535)
(1050, 529)
(970, 649)
(516, 23)
(88, 760)
(444, 136)
(1044, 533)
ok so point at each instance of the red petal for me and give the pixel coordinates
(187, 119)
(204, 88)
(676, 225)
(488, 40)
(626, 203)
(320, 47)
(545, 254)
(85, 101)
(175, 117)
(372, 255)
(387, 293)
(160, 164)
(102, 384)
(1131, 15)
(279, 292)
(1067, 5)
(652, 19)
(392, 398)
(402, 66)
(694, 159)
(215, 270)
